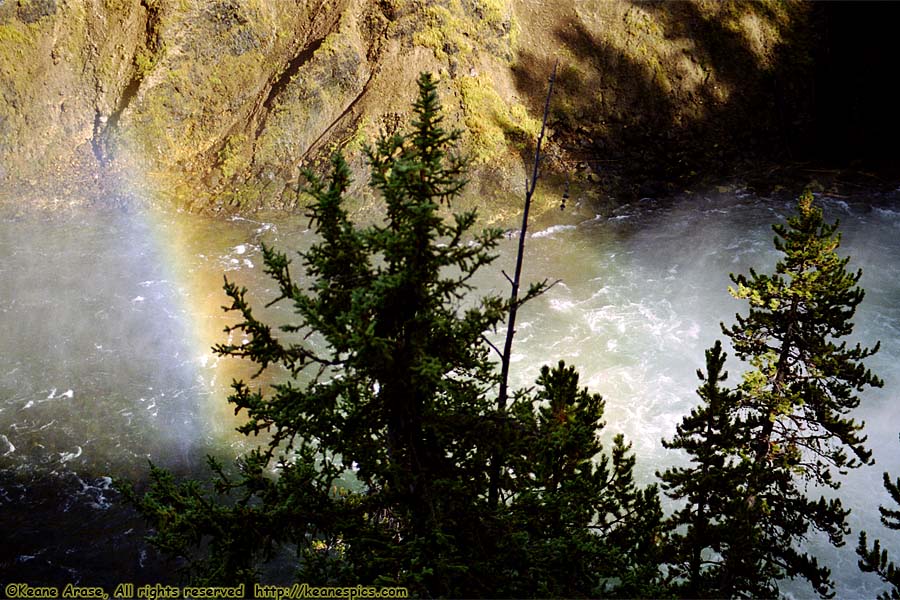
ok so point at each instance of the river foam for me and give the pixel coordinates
(99, 382)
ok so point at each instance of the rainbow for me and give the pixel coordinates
(183, 243)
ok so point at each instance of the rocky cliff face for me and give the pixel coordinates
(218, 104)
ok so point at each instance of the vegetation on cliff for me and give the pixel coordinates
(219, 104)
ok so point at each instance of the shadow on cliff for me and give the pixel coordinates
(855, 113)
(815, 102)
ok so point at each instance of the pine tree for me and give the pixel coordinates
(396, 399)
(591, 530)
(876, 560)
(713, 435)
(399, 401)
(804, 383)
(756, 449)
(798, 396)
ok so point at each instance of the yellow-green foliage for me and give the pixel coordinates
(639, 21)
(144, 60)
(118, 5)
(492, 123)
(450, 29)
(763, 24)
(14, 40)
(193, 105)
(11, 34)
(494, 11)
(246, 196)
(362, 134)
(232, 158)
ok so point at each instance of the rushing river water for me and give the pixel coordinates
(107, 319)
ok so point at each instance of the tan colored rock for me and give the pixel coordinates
(224, 101)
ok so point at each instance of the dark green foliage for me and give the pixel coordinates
(711, 520)
(756, 449)
(399, 400)
(874, 559)
(573, 507)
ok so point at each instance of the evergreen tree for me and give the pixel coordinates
(874, 559)
(591, 530)
(804, 383)
(757, 449)
(714, 436)
(399, 401)
(799, 394)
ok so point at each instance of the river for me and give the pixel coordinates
(107, 319)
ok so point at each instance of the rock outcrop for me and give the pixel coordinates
(219, 104)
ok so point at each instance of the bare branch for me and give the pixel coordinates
(503, 392)
(492, 345)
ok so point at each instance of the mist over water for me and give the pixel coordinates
(108, 319)
(643, 295)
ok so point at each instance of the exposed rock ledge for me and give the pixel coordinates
(218, 104)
